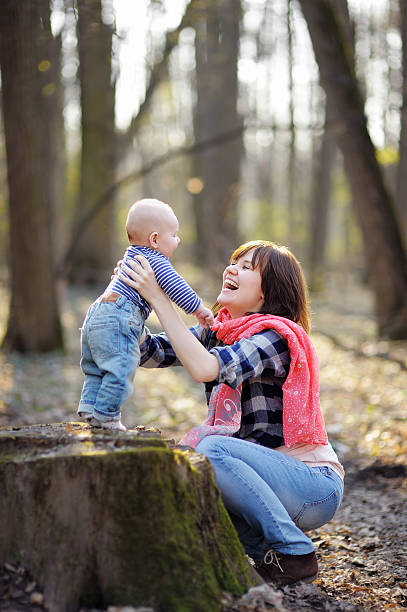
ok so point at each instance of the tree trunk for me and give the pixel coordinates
(385, 255)
(105, 519)
(217, 43)
(29, 90)
(292, 147)
(321, 192)
(319, 206)
(93, 257)
(55, 149)
(402, 167)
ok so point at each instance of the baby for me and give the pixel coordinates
(114, 323)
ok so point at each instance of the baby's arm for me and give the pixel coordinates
(204, 316)
(176, 287)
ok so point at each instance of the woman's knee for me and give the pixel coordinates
(210, 446)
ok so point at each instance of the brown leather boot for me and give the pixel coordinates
(280, 569)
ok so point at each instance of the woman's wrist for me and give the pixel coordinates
(202, 366)
(159, 300)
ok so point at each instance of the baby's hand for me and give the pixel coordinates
(204, 316)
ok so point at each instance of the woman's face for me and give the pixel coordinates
(241, 289)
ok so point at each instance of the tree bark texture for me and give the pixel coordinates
(116, 519)
(385, 253)
(402, 167)
(94, 253)
(29, 93)
(54, 112)
(216, 46)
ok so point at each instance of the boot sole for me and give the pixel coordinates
(306, 580)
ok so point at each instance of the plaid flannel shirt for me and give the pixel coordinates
(259, 363)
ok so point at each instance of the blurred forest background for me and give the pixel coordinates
(283, 120)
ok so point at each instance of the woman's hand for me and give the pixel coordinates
(142, 278)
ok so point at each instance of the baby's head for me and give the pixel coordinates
(153, 223)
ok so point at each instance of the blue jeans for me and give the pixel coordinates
(110, 339)
(271, 498)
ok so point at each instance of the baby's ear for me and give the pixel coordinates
(152, 239)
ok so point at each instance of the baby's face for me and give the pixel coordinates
(168, 239)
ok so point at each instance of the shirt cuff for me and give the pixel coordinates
(227, 367)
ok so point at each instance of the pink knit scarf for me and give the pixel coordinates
(302, 418)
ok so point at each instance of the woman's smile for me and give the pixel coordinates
(230, 284)
(241, 288)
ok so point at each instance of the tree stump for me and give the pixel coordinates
(103, 518)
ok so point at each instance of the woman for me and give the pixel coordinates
(278, 475)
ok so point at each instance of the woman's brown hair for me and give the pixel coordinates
(283, 282)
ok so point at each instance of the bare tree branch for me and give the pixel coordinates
(193, 12)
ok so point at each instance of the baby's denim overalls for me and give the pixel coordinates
(110, 339)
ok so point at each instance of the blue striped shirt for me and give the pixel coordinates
(172, 283)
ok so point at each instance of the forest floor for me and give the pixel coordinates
(362, 552)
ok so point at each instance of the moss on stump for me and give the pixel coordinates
(104, 518)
